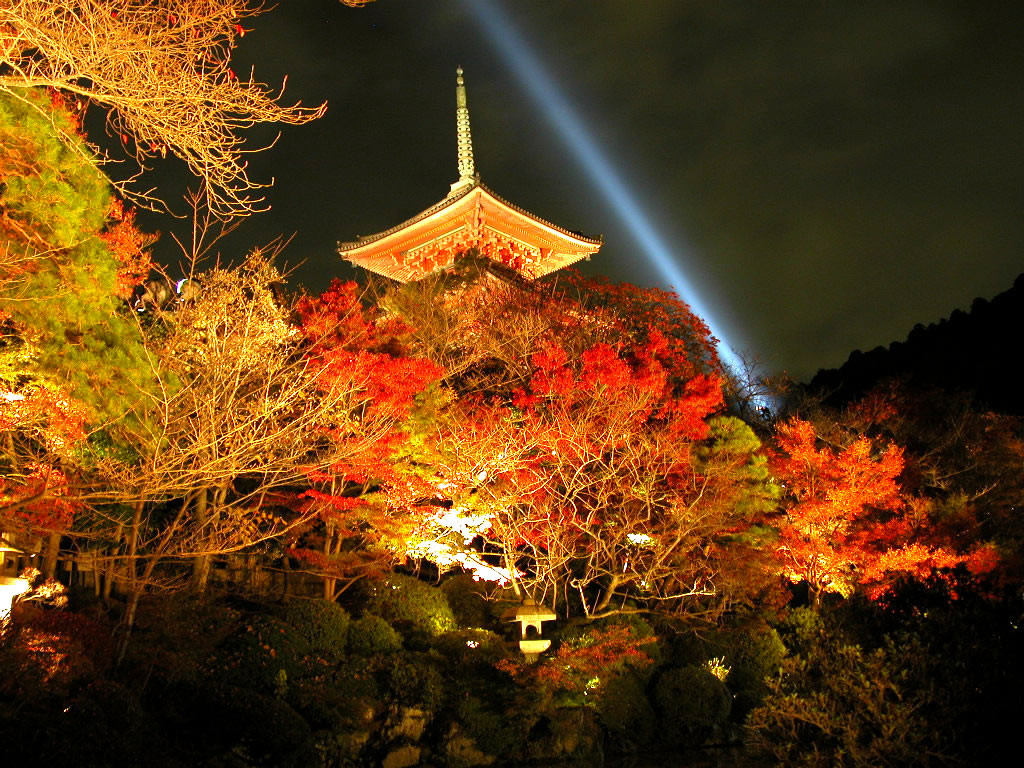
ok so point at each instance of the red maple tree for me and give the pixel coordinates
(368, 502)
(584, 455)
(128, 246)
(848, 523)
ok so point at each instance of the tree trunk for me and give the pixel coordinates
(108, 575)
(286, 569)
(607, 594)
(51, 555)
(97, 581)
(132, 573)
(330, 583)
(201, 563)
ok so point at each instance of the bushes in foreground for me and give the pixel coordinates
(932, 676)
(301, 683)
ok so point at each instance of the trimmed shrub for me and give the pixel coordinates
(413, 605)
(263, 656)
(752, 652)
(685, 648)
(465, 597)
(627, 714)
(494, 729)
(415, 681)
(321, 625)
(372, 635)
(223, 725)
(263, 730)
(77, 649)
(344, 698)
(177, 634)
(471, 648)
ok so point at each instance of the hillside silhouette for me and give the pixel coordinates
(977, 351)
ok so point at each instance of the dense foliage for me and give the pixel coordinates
(296, 529)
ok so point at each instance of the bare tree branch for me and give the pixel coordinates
(162, 69)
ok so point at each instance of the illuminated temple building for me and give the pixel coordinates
(470, 218)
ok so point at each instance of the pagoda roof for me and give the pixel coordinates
(471, 217)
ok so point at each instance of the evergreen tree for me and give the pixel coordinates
(71, 356)
(63, 265)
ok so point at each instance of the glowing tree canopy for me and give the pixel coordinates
(470, 218)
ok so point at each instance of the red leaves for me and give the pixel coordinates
(39, 501)
(337, 318)
(585, 443)
(351, 349)
(387, 385)
(66, 106)
(848, 480)
(633, 387)
(552, 377)
(568, 524)
(367, 492)
(127, 244)
(848, 521)
(339, 503)
(832, 492)
(49, 415)
(685, 417)
(674, 334)
(585, 663)
(603, 370)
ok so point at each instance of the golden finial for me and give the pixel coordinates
(464, 141)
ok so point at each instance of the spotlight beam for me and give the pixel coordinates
(533, 78)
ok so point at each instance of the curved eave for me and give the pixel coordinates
(577, 236)
(450, 200)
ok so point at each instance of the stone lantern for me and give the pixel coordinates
(530, 615)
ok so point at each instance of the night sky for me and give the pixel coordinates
(827, 173)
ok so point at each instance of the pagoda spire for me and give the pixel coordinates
(464, 141)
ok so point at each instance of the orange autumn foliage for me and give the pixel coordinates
(585, 452)
(127, 244)
(368, 496)
(41, 501)
(848, 523)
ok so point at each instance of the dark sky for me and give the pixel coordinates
(828, 173)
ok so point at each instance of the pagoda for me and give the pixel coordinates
(470, 218)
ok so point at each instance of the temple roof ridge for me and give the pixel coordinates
(452, 197)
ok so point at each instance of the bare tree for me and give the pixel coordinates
(162, 69)
(239, 416)
(595, 506)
